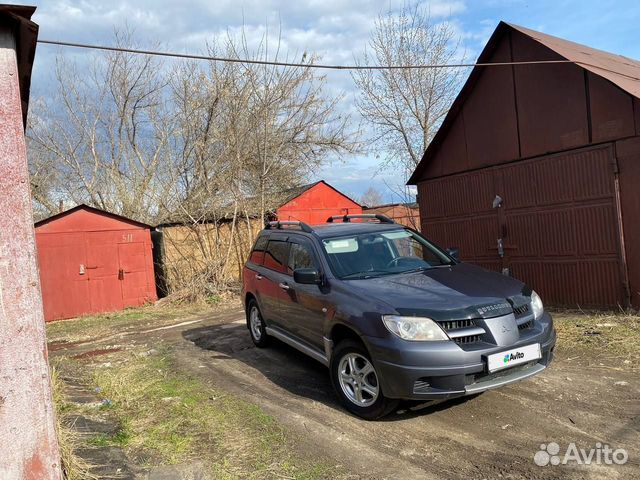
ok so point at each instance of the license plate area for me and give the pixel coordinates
(512, 357)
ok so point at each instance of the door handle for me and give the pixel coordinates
(259, 277)
(284, 286)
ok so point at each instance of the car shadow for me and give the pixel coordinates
(292, 370)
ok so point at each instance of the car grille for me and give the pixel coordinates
(463, 332)
(455, 324)
(421, 386)
(525, 325)
(521, 310)
(468, 339)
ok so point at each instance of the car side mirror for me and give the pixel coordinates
(308, 276)
(454, 252)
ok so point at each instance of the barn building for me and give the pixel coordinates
(92, 261)
(315, 202)
(535, 170)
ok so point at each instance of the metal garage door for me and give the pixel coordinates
(556, 226)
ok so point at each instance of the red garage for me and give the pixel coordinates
(93, 261)
(315, 202)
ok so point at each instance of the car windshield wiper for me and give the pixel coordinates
(417, 269)
(365, 274)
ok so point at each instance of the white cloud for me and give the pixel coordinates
(336, 30)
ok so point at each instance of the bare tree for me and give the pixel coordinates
(106, 132)
(372, 197)
(404, 107)
(210, 146)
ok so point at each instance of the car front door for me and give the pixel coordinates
(304, 303)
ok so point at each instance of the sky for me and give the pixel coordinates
(336, 30)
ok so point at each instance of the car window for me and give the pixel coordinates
(275, 256)
(300, 256)
(257, 254)
(384, 253)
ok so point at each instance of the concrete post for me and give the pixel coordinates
(28, 444)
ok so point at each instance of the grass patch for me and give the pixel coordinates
(96, 326)
(73, 466)
(611, 338)
(170, 417)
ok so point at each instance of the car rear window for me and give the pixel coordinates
(257, 254)
(276, 255)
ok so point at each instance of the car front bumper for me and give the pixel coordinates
(438, 370)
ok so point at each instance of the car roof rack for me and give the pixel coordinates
(372, 216)
(281, 225)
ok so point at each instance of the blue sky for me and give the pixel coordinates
(335, 29)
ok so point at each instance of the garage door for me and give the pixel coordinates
(549, 221)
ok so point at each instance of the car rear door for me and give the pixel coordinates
(271, 275)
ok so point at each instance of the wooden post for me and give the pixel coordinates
(28, 444)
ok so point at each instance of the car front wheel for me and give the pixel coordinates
(356, 382)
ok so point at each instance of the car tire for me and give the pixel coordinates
(356, 382)
(256, 325)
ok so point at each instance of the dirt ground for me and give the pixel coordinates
(494, 435)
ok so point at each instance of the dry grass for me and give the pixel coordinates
(73, 466)
(102, 325)
(170, 417)
(612, 339)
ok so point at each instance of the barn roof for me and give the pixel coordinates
(82, 206)
(622, 71)
(295, 192)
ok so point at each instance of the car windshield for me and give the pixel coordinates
(382, 253)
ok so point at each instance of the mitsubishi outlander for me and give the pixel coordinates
(392, 315)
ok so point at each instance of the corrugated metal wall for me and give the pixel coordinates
(547, 139)
(318, 203)
(557, 222)
(91, 262)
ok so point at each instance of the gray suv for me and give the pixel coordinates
(392, 315)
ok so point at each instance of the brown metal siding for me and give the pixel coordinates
(611, 110)
(628, 154)
(551, 100)
(489, 110)
(558, 223)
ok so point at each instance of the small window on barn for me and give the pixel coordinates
(276, 255)
(257, 254)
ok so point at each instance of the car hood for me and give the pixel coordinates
(459, 291)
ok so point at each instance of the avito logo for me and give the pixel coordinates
(513, 356)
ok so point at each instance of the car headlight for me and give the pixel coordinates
(414, 328)
(536, 305)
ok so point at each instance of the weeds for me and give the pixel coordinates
(613, 338)
(170, 417)
(73, 466)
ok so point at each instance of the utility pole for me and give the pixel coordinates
(28, 443)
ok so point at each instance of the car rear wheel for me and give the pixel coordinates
(356, 382)
(256, 325)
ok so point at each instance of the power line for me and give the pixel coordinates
(293, 64)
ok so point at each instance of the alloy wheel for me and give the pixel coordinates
(358, 379)
(255, 322)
